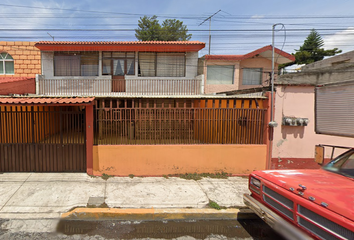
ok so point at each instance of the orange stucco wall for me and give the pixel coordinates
(27, 58)
(157, 160)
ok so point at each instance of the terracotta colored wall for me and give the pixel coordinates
(27, 58)
(257, 62)
(157, 160)
(295, 146)
(19, 86)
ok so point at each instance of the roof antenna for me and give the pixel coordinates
(209, 18)
(50, 35)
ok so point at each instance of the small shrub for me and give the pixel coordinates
(214, 205)
(198, 176)
(105, 176)
(131, 175)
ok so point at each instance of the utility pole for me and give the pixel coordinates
(209, 18)
(272, 124)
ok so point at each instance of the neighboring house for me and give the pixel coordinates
(125, 108)
(19, 64)
(293, 146)
(294, 139)
(234, 72)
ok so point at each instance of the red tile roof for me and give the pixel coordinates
(119, 42)
(225, 57)
(269, 48)
(13, 79)
(44, 101)
(250, 55)
(149, 46)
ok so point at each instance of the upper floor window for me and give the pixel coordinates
(118, 63)
(220, 74)
(252, 76)
(153, 64)
(6, 64)
(75, 63)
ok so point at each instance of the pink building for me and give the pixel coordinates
(293, 146)
(234, 72)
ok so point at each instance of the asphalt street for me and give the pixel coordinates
(111, 229)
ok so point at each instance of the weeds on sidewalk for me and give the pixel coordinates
(198, 176)
(214, 205)
(106, 176)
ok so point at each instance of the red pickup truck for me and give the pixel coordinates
(307, 204)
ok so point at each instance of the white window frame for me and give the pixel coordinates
(3, 60)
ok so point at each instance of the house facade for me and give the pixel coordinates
(236, 72)
(293, 145)
(119, 68)
(123, 108)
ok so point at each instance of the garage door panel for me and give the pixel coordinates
(42, 139)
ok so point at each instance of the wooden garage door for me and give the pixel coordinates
(42, 139)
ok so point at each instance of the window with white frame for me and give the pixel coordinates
(220, 74)
(118, 63)
(6, 64)
(75, 63)
(252, 76)
(153, 64)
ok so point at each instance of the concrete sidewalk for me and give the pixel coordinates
(52, 195)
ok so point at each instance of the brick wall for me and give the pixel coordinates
(27, 58)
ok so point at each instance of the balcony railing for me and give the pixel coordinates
(112, 87)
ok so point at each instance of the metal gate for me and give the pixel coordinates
(42, 139)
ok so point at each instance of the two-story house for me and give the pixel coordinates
(236, 72)
(119, 68)
(125, 108)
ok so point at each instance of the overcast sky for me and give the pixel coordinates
(240, 27)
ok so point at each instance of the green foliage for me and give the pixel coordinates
(214, 205)
(106, 176)
(198, 176)
(149, 29)
(131, 175)
(174, 30)
(312, 50)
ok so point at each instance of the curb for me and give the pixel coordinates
(152, 214)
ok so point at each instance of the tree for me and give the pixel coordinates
(174, 30)
(312, 50)
(149, 29)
